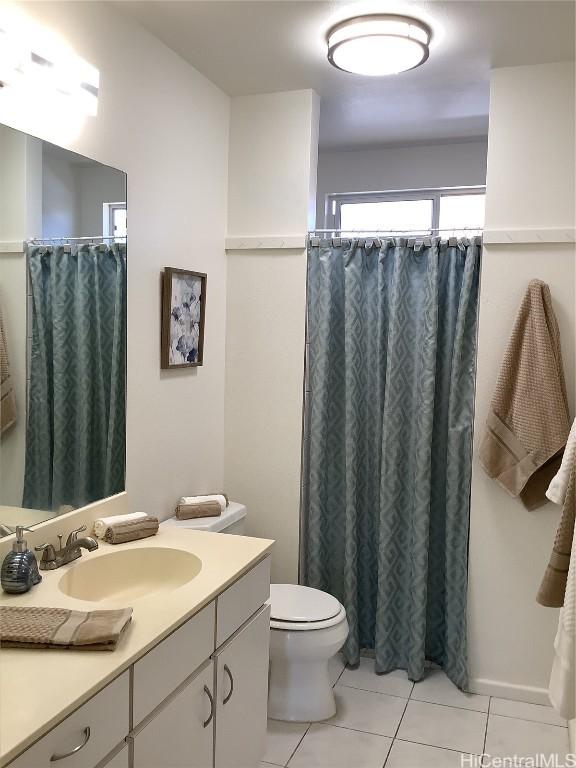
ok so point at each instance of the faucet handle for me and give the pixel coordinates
(48, 552)
(73, 535)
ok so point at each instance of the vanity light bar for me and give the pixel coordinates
(64, 74)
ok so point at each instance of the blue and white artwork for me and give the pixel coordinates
(185, 319)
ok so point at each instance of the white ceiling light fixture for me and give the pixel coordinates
(378, 44)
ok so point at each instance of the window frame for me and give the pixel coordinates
(108, 218)
(334, 201)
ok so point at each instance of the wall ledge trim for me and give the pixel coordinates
(265, 242)
(530, 235)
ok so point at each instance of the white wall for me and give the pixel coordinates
(20, 217)
(272, 185)
(410, 167)
(60, 197)
(530, 184)
(167, 127)
(97, 184)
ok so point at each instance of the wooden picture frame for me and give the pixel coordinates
(183, 313)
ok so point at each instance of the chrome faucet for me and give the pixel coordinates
(53, 558)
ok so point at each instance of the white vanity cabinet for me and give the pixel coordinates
(197, 699)
(242, 694)
(180, 734)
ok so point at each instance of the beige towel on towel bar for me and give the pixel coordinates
(32, 627)
(553, 586)
(528, 421)
(7, 396)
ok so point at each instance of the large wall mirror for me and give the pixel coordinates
(62, 330)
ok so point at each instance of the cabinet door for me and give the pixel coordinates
(180, 733)
(242, 694)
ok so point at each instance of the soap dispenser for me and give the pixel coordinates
(20, 569)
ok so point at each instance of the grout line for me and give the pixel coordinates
(525, 719)
(452, 706)
(396, 732)
(435, 746)
(368, 690)
(486, 728)
(356, 730)
(297, 745)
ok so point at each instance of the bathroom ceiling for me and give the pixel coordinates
(260, 46)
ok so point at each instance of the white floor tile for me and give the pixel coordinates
(507, 737)
(325, 746)
(524, 711)
(441, 726)
(267, 765)
(405, 754)
(335, 668)
(367, 711)
(394, 683)
(436, 688)
(282, 739)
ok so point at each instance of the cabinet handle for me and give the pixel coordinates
(86, 732)
(227, 670)
(211, 698)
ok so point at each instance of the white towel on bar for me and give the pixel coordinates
(196, 500)
(101, 525)
(562, 692)
(557, 489)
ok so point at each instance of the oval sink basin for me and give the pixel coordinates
(129, 574)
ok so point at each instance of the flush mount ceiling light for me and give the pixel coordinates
(379, 44)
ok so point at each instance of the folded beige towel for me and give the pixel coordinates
(528, 422)
(103, 523)
(553, 586)
(220, 498)
(7, 396)
(28, 627)
(191, 511)
(131, 530)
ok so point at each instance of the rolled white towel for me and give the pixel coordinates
(102, 524)
(193, 500)
(557, 489)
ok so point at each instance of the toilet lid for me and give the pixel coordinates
(295, 603)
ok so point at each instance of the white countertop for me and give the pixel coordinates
(38, 688)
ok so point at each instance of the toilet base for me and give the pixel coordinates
(308, 698)
(300, 686)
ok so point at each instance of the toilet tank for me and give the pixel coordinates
(232, 520)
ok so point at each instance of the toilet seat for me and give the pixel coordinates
(298, 608)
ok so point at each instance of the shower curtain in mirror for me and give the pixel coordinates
(387, 450)
(75, 437)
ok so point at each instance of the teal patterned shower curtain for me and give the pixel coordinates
(75, 436)
(391, 351)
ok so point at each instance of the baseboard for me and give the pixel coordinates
(527, 693)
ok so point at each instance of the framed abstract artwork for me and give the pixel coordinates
(183, 310)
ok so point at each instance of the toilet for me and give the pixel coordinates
(307, 628)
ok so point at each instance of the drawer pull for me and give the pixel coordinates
(211, 698)
(54, 758)
(227, 670)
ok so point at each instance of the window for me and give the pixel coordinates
(114, 220)
(455, 210)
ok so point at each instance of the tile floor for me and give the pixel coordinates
(388, 721)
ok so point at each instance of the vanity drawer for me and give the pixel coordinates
(92, 731)
(242, 600)
(174, 659)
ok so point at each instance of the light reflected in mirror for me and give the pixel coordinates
(62, 330)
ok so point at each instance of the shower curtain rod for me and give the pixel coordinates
(398, 231)
(88, 237)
